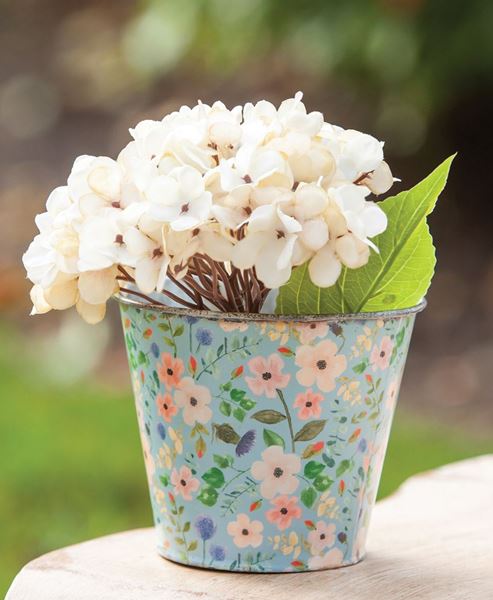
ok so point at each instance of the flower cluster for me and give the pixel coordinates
(222, 203)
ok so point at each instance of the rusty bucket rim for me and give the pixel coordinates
(213, 315)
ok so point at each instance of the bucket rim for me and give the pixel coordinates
(213, 315)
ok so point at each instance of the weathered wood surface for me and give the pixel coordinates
(433, 539)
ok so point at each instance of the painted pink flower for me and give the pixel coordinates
(392, 391)
(310, 331)
(245, 532)
(309, 405)
(166, 407)
(319, 364)
(277, 471)
(268, 375)
(194, 399)
(330, 560)
(380, 355)
(285, 510)
(170, 370)
(323, 536)
(185, 483)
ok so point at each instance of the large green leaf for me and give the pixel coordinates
(396, 277)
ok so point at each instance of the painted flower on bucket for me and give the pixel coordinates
(267, 375)
(166, 407)
(323, 536)
(285, 510)
(277, 471)
(308, 404)
(380, 355)
(245, 532)
(170, 370)
(320, 365)
(194, 399)
(185, 483)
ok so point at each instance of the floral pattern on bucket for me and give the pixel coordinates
(264, 442)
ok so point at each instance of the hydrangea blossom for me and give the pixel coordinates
(215, 202)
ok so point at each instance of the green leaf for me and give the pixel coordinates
(360, 367)
(309, 431)
(237, 395)
(142, 358)
(179, 330)
(223, 461)
(322, 483)
(247, 404)
(225, 408)
(192, 546)
(208, 496)
(186, 527)
(239, 413)
(164, 480)
(396, 277)
(344, 465)
(328, 460)
(269, 416)
(271, 438)
(214, 477)
(399, 338)
(226, 433)
(313, 468)
(163, 326)
(308, 497)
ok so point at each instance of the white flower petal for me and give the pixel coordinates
(95, 287)
(352, 252)
(324, 267)
(147, 272)
(40, 306)
(91, 313)
(62, 295)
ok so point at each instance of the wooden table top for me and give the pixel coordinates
(433, 539)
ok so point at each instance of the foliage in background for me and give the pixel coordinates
(391, 52)
(397, 276)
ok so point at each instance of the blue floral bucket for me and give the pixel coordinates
(264, 437)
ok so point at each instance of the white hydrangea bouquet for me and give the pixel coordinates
(213, 208)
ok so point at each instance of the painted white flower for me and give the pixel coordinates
(277, 472)
(330, 560)
(194, 399)
(323, 536)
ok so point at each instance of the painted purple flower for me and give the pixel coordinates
(161, 431)
(246, 443)
(342, 537)
(204, 336)
(205, 527)
(362, 445)
(217, 553)
(155, 349)
(191, 320)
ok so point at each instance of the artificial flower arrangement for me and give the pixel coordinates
(264, 434)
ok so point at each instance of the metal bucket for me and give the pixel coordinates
(264, 436)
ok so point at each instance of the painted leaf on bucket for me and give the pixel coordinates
(397, 277)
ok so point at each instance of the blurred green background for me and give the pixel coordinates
(74, 76)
